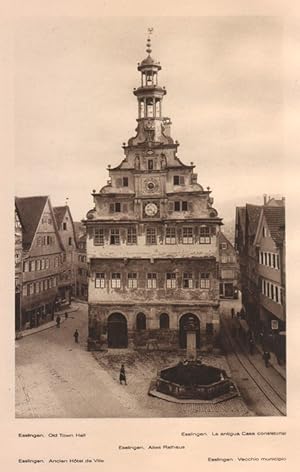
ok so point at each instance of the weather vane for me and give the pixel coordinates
(150, 30)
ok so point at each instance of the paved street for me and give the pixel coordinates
(255, 380)
(55, 377)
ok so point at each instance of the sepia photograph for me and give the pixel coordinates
(150, 273)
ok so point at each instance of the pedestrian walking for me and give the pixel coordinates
(266, 358)
(232, 313)
(122, 375)
(251, 345)
(58, 321)
(76, 336)
(66, 315)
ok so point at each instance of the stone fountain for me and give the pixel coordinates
(192, 379)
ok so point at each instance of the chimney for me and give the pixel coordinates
(265, 198)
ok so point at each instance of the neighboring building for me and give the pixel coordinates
(18, 269)
(229, 268)
(68, 276)
(82, 269)
(152, 244)
(260, 241)
(42, 256)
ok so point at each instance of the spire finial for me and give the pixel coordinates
(149, 50)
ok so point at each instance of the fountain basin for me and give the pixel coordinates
(193, 380)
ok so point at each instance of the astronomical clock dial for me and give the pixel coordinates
(151, 209)
(151, 185)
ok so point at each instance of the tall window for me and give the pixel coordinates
(150, 164)
(114, 236)
(99, 236)
(187, 235)
(151, 236)
(125, 181)
(151, 280)
(38, 264)
(205, 235)
(170, 235)
(204, 280)
(261, 257)
(70, 241)
(171, 280)
(47, 263)
(64, 226)
(26, 266)
(132, 280)
(131, 236)
(100, 280)
(115, 280)
(32, 266)
(164, 321)
(140, 321)
(187, 280)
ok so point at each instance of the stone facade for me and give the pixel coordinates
(152, 240)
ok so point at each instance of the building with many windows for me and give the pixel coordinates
(82, 266)
(68, 274)
(260, 241)
(152, 244)
(228, 268)
(18, 269)
(42, 256)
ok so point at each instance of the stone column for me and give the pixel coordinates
(191, 345)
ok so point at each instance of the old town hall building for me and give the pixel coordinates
(152, 242)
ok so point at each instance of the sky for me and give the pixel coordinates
(74, 105)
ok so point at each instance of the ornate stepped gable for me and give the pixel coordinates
(151, 182)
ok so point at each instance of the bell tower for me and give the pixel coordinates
(151, 123)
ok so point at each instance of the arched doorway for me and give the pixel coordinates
(182, 332)
(117, 331)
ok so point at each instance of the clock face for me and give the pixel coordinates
(151, 185)
(151, 209)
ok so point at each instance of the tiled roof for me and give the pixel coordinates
(30, 210)
(59, 213)
(275, 217)
(253, 212)
(222, 238)
(242, 216)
